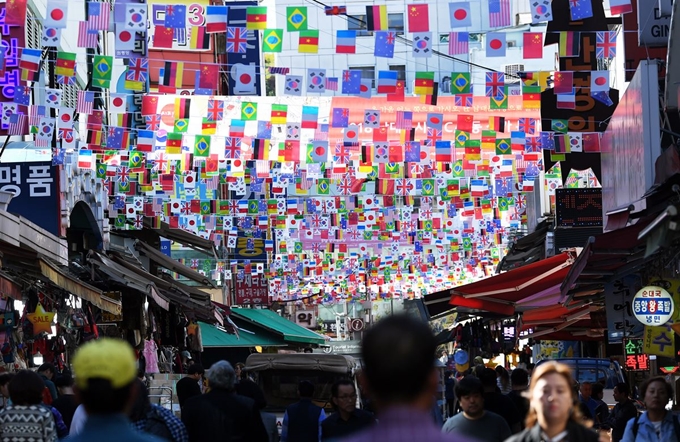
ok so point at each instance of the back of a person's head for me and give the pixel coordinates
(5, 378)
(64, 380)
(469, 385)
(26, 388)
(306, 389)
(488, 377)
(44, 368)
(195, 369)
(221, 376)
(398, 354)
(142, 405)
(105, 371)
(519, 377)
(598, 389)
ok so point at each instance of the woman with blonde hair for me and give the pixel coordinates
(554, 415)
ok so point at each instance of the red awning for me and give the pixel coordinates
(537, 283)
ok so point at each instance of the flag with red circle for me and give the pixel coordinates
(57, 11)
(495, 44)
(459, 13)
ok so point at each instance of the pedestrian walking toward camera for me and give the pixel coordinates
(657, 423)
(347, 418)
(302, 420)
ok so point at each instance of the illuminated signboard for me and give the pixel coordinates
(636, 358)
(578, 207)
(10, 77)
(653, 305)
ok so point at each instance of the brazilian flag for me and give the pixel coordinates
(101, 170)
(202, 146)
(427, 187)
(503, 146)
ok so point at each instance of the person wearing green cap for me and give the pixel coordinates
(105, 373)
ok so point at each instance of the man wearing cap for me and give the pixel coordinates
(105, 372)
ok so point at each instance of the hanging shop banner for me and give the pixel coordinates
(653, 305)
(619, 305)
(636, 358)
(659, 341)
(251, 290)
(36, 196)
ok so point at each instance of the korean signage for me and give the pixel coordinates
(636, 358)
(10, 76)
(36, 196)
(306, 318)
(659, 341)
(653, 305)
(621, 322)
(251, 290)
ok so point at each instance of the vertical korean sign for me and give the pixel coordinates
(621, 322)
(636, 358)
(36, 196)
(10, 76)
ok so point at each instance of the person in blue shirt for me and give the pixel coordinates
(585, 396)
(657, 423)
(105, 373)
(302, 420)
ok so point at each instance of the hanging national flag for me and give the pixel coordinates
(66, 64)
(527, 125)
(418, 17)
(346, 42)
(459, 13)
(199, 38)
(336, 10)
(591, 142)
(86, 39)
(310, 115)
(249, 111)
(422, 44)
(170, 77)
(387, 82)
(351, 82)
(15, 13)
(460, 83)
(464, 100)
(424, 83)
(580, 9)
(499, 13)
(404, 120)
(564, 82)
(605, 44)
(85, 102)
(497, 124)
(237, 40)
(316, 80)
(332, 83)
(376, 18)
(163, 36)
(459, 43)
(541, 10)
(216, 18)
(495, 82)
(384, 44)
(570, 44)
(102, 68)
(533, 45)
(308, 42)
(599, 81)
(617, 7)
(138, 70)
(279, 114)
(272, 40)
(30, 59)
(495, 44)
(256, 17)
(296, 17)
(98, 15)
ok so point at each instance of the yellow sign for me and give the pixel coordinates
(41, 320)
(659, 341)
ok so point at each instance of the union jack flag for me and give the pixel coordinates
(215, 110)
(495, 82)
(153, 122)
(527, 125)
(532, 144)
(464, 100)
(138, 70)
(605, 45)
(232, 148)
(341, 154)
(237, 40)
(123, 174)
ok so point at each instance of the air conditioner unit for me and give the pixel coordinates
(511, 72)
(523, 18)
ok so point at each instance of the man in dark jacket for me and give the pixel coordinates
(189, 386)
(222, 412)
(347, 418)
(623, 411)
(302, 420)
(499, 403)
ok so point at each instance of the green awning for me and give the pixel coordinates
(214, 337)
(289, 331)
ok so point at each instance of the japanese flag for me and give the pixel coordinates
(125, 38)
(118, 103)
(65, 120)
(57, 11)
(244, 79)
(459, 13)
(599, 81)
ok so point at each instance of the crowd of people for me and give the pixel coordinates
(105, 400)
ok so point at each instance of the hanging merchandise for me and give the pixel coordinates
(151, 356)
(194, 337)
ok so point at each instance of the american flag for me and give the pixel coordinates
(499, 13)
(86, 39)
(212, 183)
(35, 114)
(98, 16)
(459, 43)
(85, 102)
(321, 132)
(280, 71)
(404, 120)
(305, 183)
(262, 168)
(332, 83)
(17, 124)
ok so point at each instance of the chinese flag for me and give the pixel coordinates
(464, 122)
(162, 37)
(15, 12)
(398, 95)
(208, 77)
(149, 104)
(418, 18)
(533, 45)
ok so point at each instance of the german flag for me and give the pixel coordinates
(497, 124)
(376, 18)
